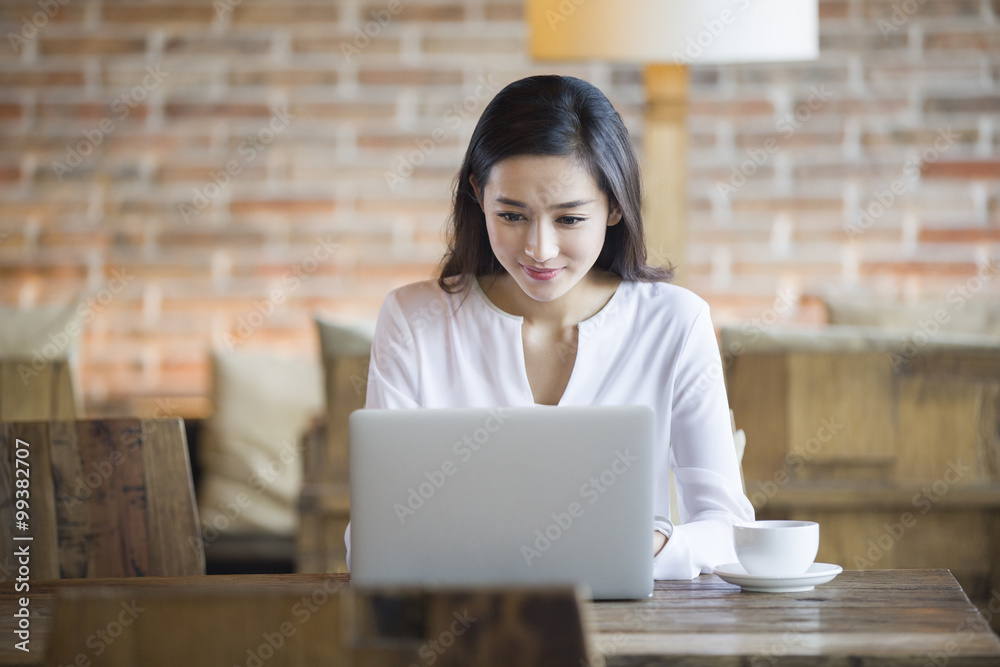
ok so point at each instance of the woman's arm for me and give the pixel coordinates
(703, 459)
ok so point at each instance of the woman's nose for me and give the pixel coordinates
(541, 244)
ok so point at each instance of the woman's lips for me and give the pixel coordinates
(540, 274)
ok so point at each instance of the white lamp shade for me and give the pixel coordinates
(674, 31)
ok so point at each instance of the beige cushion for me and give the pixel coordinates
(342, 339)
(251, 454)
(46, 332)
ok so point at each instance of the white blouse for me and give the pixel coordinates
(652, 344)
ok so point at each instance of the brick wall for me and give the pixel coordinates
(215, 173)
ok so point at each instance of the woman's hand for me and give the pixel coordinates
(659, 541)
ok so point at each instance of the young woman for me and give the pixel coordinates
(545, 297)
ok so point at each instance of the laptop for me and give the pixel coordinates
(504, 496)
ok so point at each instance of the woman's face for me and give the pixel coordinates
(546, 218)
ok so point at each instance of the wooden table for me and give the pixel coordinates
(878, 617)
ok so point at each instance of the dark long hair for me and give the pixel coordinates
(550, 115)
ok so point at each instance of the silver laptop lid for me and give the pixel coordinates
(478, 496)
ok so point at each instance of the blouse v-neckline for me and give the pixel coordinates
(584, 330)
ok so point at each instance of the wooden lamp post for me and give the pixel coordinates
(666, 36)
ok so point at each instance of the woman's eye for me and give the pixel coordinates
(510, 217)
(570, 220)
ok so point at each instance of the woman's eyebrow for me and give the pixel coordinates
(570, 204)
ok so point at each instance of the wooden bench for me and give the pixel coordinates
(893, 447)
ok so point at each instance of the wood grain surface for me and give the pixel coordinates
(108, 498)
(903, 618)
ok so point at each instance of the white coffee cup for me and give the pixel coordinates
(776, 548)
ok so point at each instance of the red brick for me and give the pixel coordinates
(789, 204)
(857, 41)
(920, 138)
(727, 107)
(964, 40)
(80, 46)
(409, 77)
(15, 13)
(158, 13)
(38, 78)
(285, 206)
(284, 77)
(496, 11)
(92, 112)
(404, 142)
(343, 110)
(960, 235)
(965, 170)
(833, 9)
(887, 10)
(414, 12)
(9, 111)
(346, 44)
(217, 45)
(203, 173)
(980, 104)
(472, 45)
(217, 110)
(285, 14)
(853, 106)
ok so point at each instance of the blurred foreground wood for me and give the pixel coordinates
(897, 618)
(103, 498)
(314, 621)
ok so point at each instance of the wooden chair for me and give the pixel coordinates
(106, 498)
(319, 624)
(324, 505)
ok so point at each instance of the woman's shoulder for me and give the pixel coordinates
(658, 299)
(425, 296)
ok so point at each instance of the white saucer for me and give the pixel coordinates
(818, 573)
